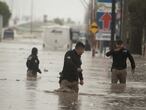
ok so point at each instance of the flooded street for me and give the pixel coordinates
(16, 93)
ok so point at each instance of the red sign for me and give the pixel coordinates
(106, 19)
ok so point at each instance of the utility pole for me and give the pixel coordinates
(31, 17)
(125, 23)
(93, 11)
(12, 11)
(121, 18)
(1, 26)
(113, 23)
(93, 20)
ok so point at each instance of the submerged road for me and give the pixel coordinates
(17, 93)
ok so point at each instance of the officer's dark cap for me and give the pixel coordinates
(79, 45)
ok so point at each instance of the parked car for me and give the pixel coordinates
(8, 33)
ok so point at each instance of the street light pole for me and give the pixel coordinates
(113, 23)
(1, 26)
(31, 16)
(121, 18)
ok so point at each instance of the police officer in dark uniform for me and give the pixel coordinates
(71, 74)
(119, 65)
(33, 64)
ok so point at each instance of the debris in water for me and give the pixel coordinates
(45, 70)
(3, 79)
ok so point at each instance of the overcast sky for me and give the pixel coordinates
(53, 8)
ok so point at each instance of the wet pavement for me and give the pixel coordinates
(16, 93)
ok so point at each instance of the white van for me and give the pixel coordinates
(57, 38)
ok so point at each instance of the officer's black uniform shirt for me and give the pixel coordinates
(72, 61)
(33, 63)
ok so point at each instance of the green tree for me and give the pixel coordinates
(70, 21)
(59, 21)
(5, 12)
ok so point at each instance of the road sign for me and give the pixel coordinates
(94, 28)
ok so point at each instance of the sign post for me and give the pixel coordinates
(94, 29)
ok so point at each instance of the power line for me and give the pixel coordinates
(83, 3)
(86, 2)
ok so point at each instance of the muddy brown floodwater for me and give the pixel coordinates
(17, 93)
